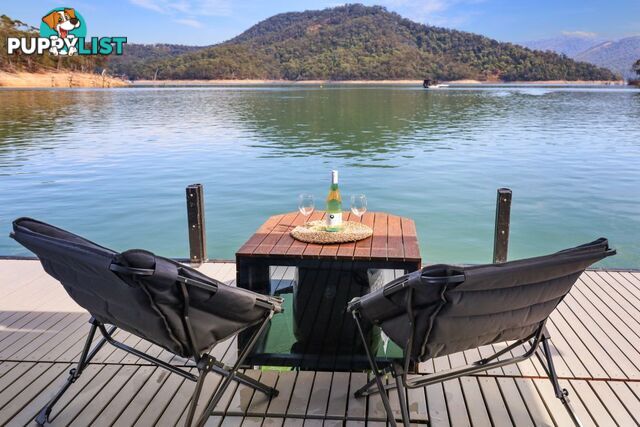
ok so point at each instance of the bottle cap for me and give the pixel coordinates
(334, 177)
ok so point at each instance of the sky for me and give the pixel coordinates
(205, 22)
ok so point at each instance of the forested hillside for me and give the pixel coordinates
(135, 56)
(358, 42)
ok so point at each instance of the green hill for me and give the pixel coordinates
(358, 42)
(135, 56)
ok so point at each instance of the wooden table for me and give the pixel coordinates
(394, 243)
(327, 277)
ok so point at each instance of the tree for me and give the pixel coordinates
(636, 67)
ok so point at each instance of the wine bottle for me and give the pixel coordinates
(334, 205)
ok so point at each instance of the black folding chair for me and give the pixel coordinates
(155, 298)
(444, 309)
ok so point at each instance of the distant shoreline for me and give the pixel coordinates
(70, 79)
(466, 82)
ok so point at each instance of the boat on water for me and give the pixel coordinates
(433, 84)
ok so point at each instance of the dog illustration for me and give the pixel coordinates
(62, 21)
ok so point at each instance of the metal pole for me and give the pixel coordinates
(195, 217)
(501, 234)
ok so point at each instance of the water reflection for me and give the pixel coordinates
(369, 125)
(89, 159)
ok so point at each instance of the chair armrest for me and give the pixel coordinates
(130, 270)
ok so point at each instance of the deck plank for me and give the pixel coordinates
(594, 405)
(90, 413)
(630, 401)
(363, 247)
(124, 395)
(301, 393)
(84, 396)
(285, 242)
(347, 249)
(243, 396)
(32, 384)
(515, 403)
(339, 395)
(319, 399)
(263, 232)
(260, 401)
(285, 385)
(410, 239)
(141, 400)
(578, 405)
(280, 230)
(475, 402)
(595, 337)
(151, 414)
(395, 247)
(438, 412)
(535, 405)
(612, 403)
(380, 232)
(356, 407)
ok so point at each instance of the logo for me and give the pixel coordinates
(63, 31)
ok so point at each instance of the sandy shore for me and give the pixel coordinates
(62, 79)
(270, 82)
(357, 82)
(75, 79)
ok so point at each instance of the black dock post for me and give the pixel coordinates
(195, 218)
(503, 217)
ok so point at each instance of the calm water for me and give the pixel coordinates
(112, 165)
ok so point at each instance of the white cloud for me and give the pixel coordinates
(190, 23)
(149, 4)
(582, 34)
(190, 8)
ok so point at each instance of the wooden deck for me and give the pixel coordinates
(595, 334)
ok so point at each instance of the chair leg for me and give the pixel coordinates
(402, 394)
(376, 373)
(74, 373)
(232, 374)
(368, 389)
(195, 397)
(561, 393)
(219, 368)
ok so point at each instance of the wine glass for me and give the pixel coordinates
(306, 204)
(358, 204)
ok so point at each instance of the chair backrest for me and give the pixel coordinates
(151, 307)
(462, 307)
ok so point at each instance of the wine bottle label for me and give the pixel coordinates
(334, 220)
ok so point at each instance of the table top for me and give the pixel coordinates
(394, 238)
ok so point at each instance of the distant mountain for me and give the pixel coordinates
(570, 45)
(354, 42)
(618, 56)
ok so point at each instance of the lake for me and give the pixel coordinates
(112, 165)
